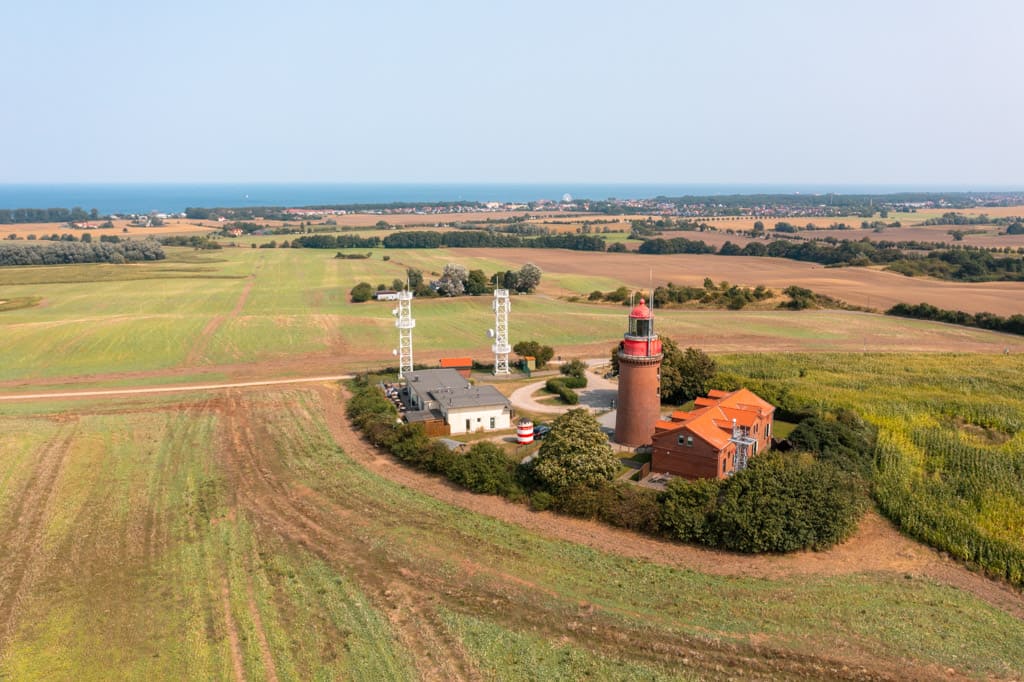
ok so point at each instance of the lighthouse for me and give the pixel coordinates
(639, 402)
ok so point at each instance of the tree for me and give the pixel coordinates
(476, 283)
(685, 375)
(574, 368)
(510, 280)
(361, 292)
(758, 226)
(528, 278)
(533, 349)
(415, 277)
(453, 280)
(575, 453)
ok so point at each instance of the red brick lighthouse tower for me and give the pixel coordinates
(639, 403)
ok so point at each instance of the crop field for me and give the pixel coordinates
(245, 312)
(121, 228)
(951, 441)
(250, 535)
(870, 287)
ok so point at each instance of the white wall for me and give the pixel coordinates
(457, 419)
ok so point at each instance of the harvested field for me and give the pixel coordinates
(869, 287)
(991, 238)
(122, 228)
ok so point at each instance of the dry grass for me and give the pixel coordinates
(121, 228)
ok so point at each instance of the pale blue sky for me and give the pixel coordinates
(821, 92)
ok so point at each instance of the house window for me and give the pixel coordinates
(723, 466)
(689, 441)
(492, 422)
(680, 440)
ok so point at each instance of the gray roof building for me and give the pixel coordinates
(446, 389)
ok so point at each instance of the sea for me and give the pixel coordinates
(114, 199)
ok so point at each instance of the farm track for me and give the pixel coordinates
(23, 554)
(408, 594)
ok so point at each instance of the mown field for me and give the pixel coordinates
(246, 312)
(228, 536)
(950, 461)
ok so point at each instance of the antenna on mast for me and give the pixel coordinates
(501, 348)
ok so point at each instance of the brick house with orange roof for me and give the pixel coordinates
(715, 438)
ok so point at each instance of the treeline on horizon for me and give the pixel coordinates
(69, 252)
(460, 239)
(12, 216)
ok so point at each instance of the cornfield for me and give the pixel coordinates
(949, 463)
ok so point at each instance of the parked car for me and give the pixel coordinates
(541, 430)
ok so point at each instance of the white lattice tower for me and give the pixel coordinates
(501, 347)
(405, 325)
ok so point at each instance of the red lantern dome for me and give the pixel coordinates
(641, 311)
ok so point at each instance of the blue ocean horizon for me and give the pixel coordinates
(122, 198)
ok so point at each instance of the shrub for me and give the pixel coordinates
(575, 453)
(484, 469)
(686, 509)
(541, 500)
(779, 503)
(361, 292)
(559, 388)
(574, 368)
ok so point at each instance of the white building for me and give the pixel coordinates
(464, 407)
(386, 295)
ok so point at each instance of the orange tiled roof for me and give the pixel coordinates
(712, 421)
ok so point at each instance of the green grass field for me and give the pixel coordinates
(229, 535)
(263, 308)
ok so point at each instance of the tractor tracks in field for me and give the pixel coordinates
(23, 552)
(330, 531)
(198, 350)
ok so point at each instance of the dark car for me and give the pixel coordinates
(541, 430)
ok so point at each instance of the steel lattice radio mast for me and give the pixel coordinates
(501, 347)
(405, 325)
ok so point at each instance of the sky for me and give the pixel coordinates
(894, 92)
